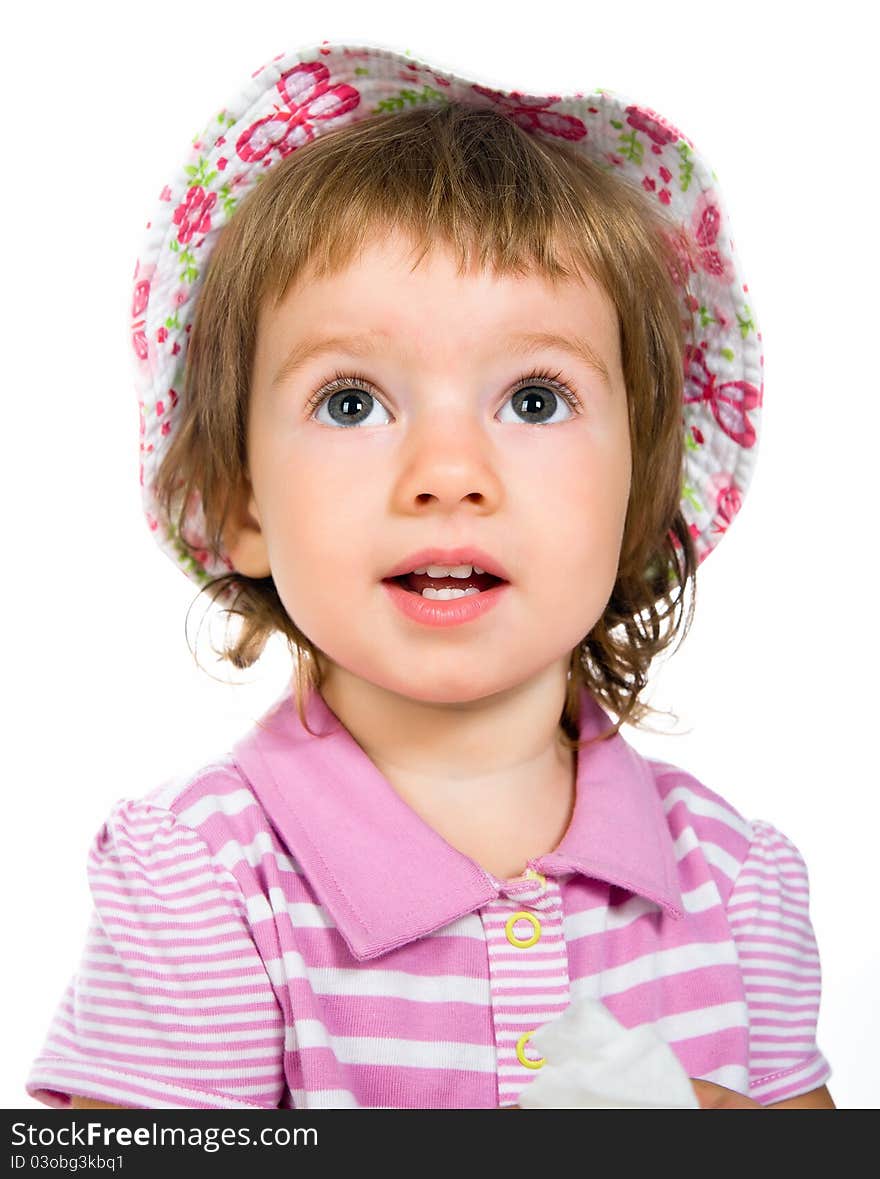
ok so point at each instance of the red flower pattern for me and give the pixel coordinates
(306, 98)
(653, 125)
(729, 401)
(193, 215)
(532, 114)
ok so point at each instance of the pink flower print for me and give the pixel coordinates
(653, 125)
(706, 225)
(139, 300)
(306, 97)
(729, 502)
(706, 220)
(683, 265)
(532, 114)
(729, 402)
(194, 214)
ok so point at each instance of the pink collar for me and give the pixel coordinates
(386, 877)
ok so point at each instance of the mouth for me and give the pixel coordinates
(418, 583)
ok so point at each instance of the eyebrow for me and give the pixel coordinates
(367, 344)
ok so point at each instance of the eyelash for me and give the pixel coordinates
(557, 381)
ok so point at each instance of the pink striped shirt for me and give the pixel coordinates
(282, 929)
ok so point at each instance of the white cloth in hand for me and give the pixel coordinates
(593, 1062)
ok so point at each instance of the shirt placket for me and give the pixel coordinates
(528, 973)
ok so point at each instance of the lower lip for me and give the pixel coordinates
(450, 613)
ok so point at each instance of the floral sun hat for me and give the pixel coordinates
(300, 95)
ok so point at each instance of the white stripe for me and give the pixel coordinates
(702, 1021)
(105, 954)
(109, 874)
(166, 794)
(231, 804)
(721, 859)
(327, 1099)
(196, 938)
(790, 949)
(164, 966)
(143, 903)
(437, 1055)
(258, 1012)
(390, 984)
(57, 1074)
(173, 1034)
(110, 914)
(754, 978)
(731, 1076)
(763, 1003)
(170, 987)
(98, 994)
(661, 964)
(232, 853)
(530, 1000)
(163, 1053)
(697, 804)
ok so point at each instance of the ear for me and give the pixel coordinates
(243, 537)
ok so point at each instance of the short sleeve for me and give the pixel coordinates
(171, 1007)
(768, 912)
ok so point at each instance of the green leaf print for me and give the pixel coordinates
(706, 317)
(686, 168)
(632, 148)
(728, 354)
(746, 324)
(200, 175)
(399, 101)
(690, 495)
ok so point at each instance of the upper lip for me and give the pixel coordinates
(448, 558)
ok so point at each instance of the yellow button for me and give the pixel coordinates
(522, 943)
(520, 1052)
(537, 875)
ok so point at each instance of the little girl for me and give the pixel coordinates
(454, 388)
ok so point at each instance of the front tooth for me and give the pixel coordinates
(447, 595)
(447, 570)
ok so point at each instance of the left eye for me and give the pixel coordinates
(349, 400)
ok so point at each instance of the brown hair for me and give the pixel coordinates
(472, 179)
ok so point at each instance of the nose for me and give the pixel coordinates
(447, 463)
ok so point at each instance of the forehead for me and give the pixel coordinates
(387, 292)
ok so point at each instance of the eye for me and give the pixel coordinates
(350, 399)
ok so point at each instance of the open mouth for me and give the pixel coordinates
(418, 583)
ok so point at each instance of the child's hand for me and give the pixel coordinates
(712, 1096)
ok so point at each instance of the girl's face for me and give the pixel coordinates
(442, 454)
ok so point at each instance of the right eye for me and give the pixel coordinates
(345, 398)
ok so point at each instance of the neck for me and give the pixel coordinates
(501, 744)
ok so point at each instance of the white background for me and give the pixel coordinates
(775, 686)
